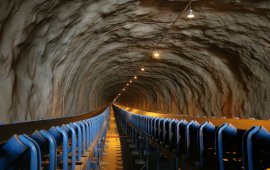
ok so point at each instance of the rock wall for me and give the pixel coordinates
(60, 57)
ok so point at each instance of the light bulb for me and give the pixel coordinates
(127, 84)
(156, 55)
(130, 81)
(142, 69)
(190, 14)
(135, 77)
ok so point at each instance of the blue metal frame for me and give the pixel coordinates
(255, 134)
(205, 125)
(71, 127)
(79, 141)
(52, 149)
(65, 146)
(164, 129)
(170, 130)
(83, 136)
(225, 128)
(11, 151)
(87, 131)
(178, 136)
(35, 157)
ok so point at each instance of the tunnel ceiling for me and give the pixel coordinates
(60, 57)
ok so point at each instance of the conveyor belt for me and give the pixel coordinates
(243, 124)
(160, 141)
(67, 143)
(205, 143)
(7, 130)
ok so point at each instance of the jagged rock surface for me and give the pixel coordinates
(62, 57)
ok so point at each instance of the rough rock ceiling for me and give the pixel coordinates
(84, 52)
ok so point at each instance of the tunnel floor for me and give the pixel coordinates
(116, 153)
(112, 156)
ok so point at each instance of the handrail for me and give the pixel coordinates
(7, 130)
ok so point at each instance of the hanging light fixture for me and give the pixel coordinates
(190, 13)
(135, 77)
(130, 81)
(127, 84)
(142, 69)
(155, 55)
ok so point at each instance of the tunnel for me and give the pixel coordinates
(120, 63)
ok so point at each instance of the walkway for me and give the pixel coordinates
(112, 155)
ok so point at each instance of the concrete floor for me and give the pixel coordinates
(112, 155)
